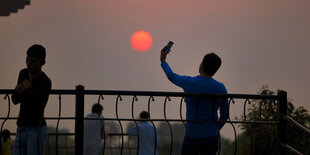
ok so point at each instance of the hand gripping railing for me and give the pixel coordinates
(79, 115)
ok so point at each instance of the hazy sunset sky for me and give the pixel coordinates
(261, 42)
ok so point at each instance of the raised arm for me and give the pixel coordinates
(181, 81)
(17, 96)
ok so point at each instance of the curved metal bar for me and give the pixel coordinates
(165, 103)
(58, 120)
(133, 117)
(100, 98)
(244, 108)
(104, 136)
(231, 100)
(149, 111)
(133, 105)
(181, 103)
(8, 115)
(116, 107)
(9, 110)
(171, 137)
(118, 98)
(244, 112)
(260, 111)
(149, 104)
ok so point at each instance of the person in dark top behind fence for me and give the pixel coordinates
(147, 133)
(201, 138)
(32, 92)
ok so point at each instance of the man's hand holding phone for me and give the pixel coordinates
(164, 52)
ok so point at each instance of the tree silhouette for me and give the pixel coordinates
(262, 138)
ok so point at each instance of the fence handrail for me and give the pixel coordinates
(296, 124)
(80, 92)
(154, 120)
(288, 147)
(151, 93)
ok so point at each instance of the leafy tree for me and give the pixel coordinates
(262, 138)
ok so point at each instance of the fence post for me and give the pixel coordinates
(79, 120)
(282, 124)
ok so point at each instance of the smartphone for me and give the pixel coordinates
(168, 47)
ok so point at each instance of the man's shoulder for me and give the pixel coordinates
(46, 78)
(219, 83)
(221, 86)
(217, 86)
(146, 124)
(23, 71)
(94, 115)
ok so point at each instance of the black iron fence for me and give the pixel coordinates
(281, 123)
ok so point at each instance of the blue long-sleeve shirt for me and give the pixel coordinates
(201, 108)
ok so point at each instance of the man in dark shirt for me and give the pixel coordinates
(32, 92)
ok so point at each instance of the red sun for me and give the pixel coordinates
(141, 41)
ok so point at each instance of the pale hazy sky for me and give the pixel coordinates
(261, 42)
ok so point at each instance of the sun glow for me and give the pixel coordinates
(141, 41)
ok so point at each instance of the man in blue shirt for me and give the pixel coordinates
(201, 138)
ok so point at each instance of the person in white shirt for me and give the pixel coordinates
(146, 133)
(93, 130)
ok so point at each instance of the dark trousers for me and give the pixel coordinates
(203, 146)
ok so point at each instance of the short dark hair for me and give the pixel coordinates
(97, 108)
(144, 115)
(36, 51)
(211, 63)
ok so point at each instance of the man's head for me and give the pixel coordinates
(35, 58)
(97, 108)
(210, 64)
(144, 115)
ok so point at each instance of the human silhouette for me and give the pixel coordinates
(32, 92)
(200, 138)
(147, 134)
(93, 131)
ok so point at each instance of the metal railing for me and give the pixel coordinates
(80, 92)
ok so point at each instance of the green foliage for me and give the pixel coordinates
(262, 138)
